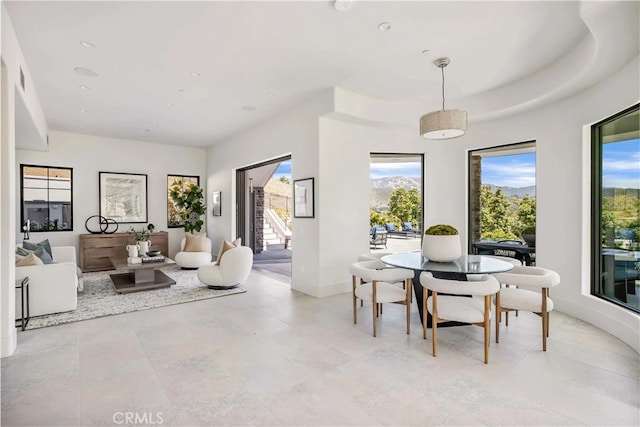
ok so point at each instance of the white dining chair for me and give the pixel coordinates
(372, 281)
(457, 306)
(529, 291)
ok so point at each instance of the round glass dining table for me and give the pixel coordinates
(456, 270)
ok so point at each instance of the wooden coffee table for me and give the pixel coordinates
(140, 277)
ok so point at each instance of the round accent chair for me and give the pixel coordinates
(195, 251)
(232, 269)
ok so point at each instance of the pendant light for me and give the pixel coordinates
(443, 124)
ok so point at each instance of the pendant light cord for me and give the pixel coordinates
(442, 69)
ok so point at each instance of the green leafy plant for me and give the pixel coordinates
(441, 230)
(190, 205)
(141, 235)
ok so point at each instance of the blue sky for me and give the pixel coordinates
(283, 170)
(515, 170)
(386, 170)
(621, 164)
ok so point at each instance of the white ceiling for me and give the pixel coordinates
(269, 55)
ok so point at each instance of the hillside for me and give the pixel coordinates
(381, 189)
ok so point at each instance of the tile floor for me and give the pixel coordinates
(272, 356)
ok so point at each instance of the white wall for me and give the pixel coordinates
(21, 116)
(294, 132)
(89, 155)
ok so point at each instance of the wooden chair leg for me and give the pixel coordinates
(498, 317)
(487, 327)
(424, 314)
(544, 319)
(355, 315)
(407, 302)
(434, 322)
(375, 308)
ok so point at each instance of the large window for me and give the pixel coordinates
(502, 200)
(173, 219)
(616, 209)
(46, 196)
(395, 215)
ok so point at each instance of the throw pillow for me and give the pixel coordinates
(195, 243)
(43, 255)
(226, 245)
(30, 259)
(33, 246)
(40, 252)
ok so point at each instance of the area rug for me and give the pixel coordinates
(100, 299)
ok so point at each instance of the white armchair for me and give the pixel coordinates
(233, 268)
(52, 287)
(191, 259)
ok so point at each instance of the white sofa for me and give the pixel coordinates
(52, 287)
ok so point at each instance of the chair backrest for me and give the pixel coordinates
(487, 286)
(407, 226)
(207, 244)
(378, 271)
(372, 256)
(236, 264)
(531, 277)
(516, 262)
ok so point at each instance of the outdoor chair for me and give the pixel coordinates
(378, 237)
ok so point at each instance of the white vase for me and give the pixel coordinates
(133, 250)
(144, 247)
(441, 248)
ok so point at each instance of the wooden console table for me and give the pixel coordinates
(95, 250)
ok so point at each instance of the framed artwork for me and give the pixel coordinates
(216, 203)
(303, 198)
(173, 217)
(123, 197)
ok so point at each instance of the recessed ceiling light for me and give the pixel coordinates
(82, 110)
(343, 5)
(194, 74)
(169, 104)
(83, 87)
(248, 108)
(384, 26)
(85, 43)
(85, 72)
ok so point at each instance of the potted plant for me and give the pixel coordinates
(529, 236)
(190, 205)
(441, 243)
(142, 237)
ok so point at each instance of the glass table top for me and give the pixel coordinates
(466, 264)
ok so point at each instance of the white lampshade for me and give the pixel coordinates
(443, 124)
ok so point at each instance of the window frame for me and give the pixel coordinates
(23, 219)
(496, 148)
(596, 209)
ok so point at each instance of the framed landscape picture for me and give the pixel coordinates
(123, 196)
(303, 198)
